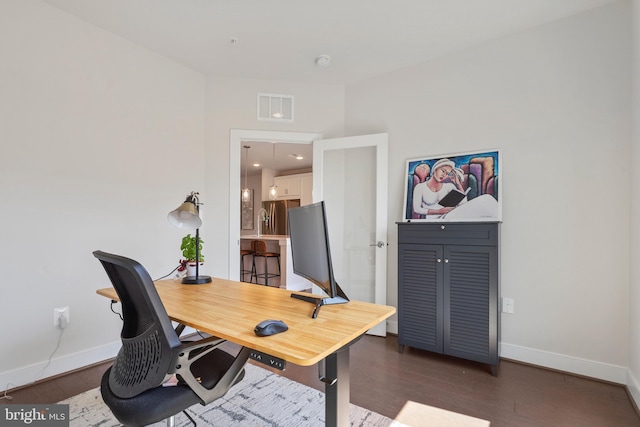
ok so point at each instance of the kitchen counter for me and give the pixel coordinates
(266, 237)
(278, 243)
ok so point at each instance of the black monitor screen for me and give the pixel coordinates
(310, 250)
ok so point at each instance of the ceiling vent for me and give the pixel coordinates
(274, 107)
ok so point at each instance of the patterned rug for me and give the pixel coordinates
(261, 399)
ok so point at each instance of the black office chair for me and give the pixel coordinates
(152, 352)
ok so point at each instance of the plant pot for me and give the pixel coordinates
(191, 268)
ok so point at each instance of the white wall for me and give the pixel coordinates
(95, 134)
(556, 100)
(91, 126)
(100, 140)
(633, 380)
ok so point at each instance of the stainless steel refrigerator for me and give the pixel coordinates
(276, 218)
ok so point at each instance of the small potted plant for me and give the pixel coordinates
(188, 247)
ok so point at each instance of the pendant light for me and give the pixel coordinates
(273, 190)
(245, 191)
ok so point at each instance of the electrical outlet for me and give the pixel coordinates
(508, 305)
(61, 312)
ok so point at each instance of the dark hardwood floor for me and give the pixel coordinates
(382, 379)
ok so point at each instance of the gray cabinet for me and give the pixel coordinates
(448, 289)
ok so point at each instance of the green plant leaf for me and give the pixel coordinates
(188, 248)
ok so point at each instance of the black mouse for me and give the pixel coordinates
(270, 327)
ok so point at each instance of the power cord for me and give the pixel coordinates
(62, 323)
(119, 315)
(115, 302)
(172, 271)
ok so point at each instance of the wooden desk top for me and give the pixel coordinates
(230, 310)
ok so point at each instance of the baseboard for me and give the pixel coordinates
(392, 327)
(29, 374)
(562, 362)
(633, 386)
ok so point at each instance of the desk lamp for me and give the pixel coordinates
(187, 216)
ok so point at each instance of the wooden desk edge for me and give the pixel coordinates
(112, 295)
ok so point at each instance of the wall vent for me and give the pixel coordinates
(274, 107)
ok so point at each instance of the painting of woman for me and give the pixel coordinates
(474, 176)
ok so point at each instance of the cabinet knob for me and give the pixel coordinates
(442, 227)
(439, 260)
(446, 261)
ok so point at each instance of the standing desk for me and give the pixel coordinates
(230, 310)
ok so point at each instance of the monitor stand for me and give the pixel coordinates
(341, 298)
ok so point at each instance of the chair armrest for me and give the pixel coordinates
(184, 359)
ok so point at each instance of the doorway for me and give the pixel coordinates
(237, 139)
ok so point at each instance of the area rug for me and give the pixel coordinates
(261, 399)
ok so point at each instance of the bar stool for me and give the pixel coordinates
(243, 271)
(259, 248)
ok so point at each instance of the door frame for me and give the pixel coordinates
(237, 137)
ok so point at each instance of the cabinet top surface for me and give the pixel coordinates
(418, 222)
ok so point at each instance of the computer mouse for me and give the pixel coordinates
(270, 327)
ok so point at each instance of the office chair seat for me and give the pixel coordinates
(160, 403)
(152, 352)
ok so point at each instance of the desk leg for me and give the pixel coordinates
(337, 394)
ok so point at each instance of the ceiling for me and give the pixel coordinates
(283, 160)
(281, 39)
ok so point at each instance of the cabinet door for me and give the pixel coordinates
(293, 187)
(288, 187)
(471, 302)
(420, 296)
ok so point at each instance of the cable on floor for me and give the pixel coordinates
(5, 393)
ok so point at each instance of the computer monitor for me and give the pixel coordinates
(311, 253)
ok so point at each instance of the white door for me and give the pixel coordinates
(350, 175)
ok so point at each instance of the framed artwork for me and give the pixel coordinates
(456, 188)
(246, 212)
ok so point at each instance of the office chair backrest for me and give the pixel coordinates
(148, 338)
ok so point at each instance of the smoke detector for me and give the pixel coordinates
(323, 61)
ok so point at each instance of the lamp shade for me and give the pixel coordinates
(185, 216)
